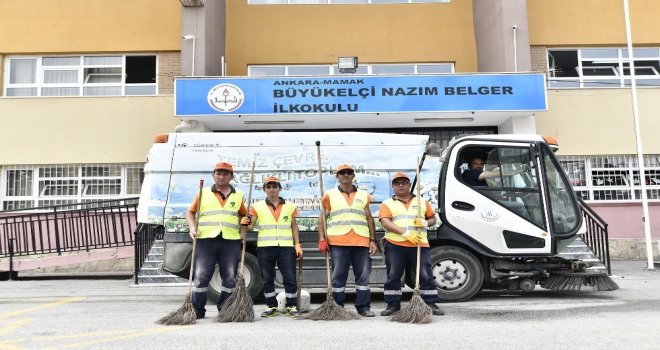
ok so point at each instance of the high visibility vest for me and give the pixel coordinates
(343, 218)
(273, 233)
(403, 217)
(215, 218)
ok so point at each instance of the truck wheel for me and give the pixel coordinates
(251, 275)
(457, 273)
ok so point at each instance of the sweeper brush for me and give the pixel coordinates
(575, 280)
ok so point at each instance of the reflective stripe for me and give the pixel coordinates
(338, 290)
(401, 217)
(274, 227)
(362, 287)
(347, 211)
(281, 239)
(347, 223)
(200, 290)
(392, 292)
(217, 212)
(429, 292)
(290, 295)
(271, 294)
(216, 223)
(275, 238)
(227, 290)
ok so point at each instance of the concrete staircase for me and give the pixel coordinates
(151, 273)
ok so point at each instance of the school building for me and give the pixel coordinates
(85, 85)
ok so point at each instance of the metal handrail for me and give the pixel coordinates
(57, 229)
(145, 236)
(597, 235)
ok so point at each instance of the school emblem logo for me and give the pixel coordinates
(226, 97)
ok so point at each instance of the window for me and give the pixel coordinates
(112, 75)
(29, 186)
(513, 182)
(363, 69)
(611, 178)
(602, 67)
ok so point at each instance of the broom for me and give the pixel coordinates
(416, 311)
(186, 314)
(329, 310)
(239, 307)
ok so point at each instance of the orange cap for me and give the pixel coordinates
(224, 166)
(400, 176)
(344, 166)
(271, 179)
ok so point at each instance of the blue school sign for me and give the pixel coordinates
(359, 94)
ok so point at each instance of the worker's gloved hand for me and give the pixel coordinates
(323, 246)
(245, 221)
(421, 223)
(412, 237)
(299, 252)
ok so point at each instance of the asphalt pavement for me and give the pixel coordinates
(114, 314)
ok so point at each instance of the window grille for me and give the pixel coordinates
(612, 177)
(28, 186)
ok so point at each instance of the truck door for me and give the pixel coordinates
(507, 214)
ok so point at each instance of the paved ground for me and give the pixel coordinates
(112, 314)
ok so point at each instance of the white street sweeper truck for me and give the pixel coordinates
(504, 235)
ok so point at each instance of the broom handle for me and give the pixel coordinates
(325, 234)
(419, 214)
(192, 257)
(249, 202)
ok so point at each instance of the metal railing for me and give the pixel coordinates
(596, 237)
(145, 236)
(68, 227)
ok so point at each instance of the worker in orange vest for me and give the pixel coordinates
(218, 236)
(404, 230)
(278, 244)
(351, 238)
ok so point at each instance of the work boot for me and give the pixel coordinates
(366, 313)
(270, 312)
(391, 309)
(199, 314)
(291, 311)
(436, 310)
